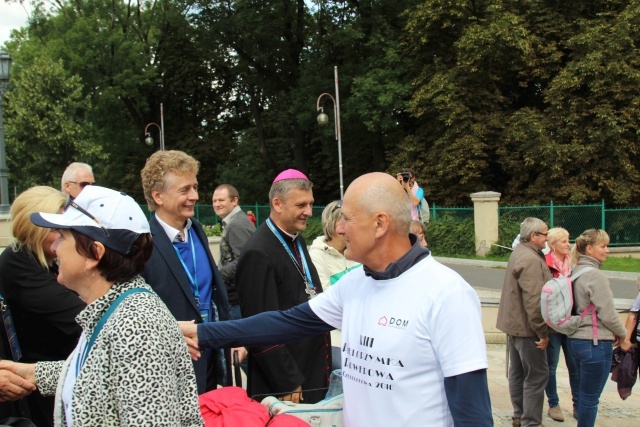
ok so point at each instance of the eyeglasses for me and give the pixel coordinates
(337, 206)
(540, 234)
(71, 203)
(83, 183)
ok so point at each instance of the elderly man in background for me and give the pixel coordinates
(75, 178)
(236, 230)
(520, 318)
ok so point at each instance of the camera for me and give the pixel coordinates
(405, 176)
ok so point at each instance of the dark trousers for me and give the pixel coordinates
(528, 375)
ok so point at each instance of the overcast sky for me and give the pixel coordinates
(12, 16)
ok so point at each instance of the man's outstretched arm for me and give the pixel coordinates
(268, 328)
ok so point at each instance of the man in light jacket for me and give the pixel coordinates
(520, 318)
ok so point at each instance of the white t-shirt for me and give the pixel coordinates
(400, 338)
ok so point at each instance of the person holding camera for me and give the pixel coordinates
(407, 178)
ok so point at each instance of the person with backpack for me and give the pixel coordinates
(559, 263)
(591, 345)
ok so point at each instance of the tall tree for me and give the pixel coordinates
(45, 124)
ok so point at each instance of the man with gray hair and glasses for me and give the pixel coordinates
(77, 176)
(520, 318)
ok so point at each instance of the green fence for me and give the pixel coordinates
(623, 225)
(460, 213)
(206, 216)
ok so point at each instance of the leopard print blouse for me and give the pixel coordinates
(138, 371)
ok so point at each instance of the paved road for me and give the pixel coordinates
(492, 278)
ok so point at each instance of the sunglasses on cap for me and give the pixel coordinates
(83, 183)
(71, 203)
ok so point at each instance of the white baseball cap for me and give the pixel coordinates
(104, 215)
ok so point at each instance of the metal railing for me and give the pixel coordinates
(206, 216)
(622, 224)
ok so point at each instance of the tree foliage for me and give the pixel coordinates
(535, 99)
(45, 124)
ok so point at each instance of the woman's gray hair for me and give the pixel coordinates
(330, 216)
(282, 188)
(528, 226)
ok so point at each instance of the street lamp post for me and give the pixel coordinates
(148, 138)
(5, 68)
(323, 119)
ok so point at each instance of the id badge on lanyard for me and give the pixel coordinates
(10, 329)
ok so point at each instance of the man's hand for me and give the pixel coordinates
(190, 332)
(242, 353)
(17, 380)
(295, 396)
(542, 344)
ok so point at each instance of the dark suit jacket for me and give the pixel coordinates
(165, 274)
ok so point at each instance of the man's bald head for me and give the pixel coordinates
(375, 221)
(380, 192)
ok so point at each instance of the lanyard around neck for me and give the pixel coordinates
(193, 279)
(83, 353)
(309, 288)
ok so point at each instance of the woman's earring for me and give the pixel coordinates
(85, 273)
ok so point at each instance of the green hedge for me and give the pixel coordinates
(451, 236)
(313, 230)
(507, 232)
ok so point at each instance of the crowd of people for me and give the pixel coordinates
(367, 296)
(534, 347)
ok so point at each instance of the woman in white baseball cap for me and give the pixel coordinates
(131, 365)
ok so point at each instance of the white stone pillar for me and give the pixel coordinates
(485, 217)
(5, 230)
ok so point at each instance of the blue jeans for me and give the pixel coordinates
(594, 365)
(557, 342)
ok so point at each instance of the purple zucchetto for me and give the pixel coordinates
(290, 174)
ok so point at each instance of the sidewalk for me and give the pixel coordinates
(613, 412)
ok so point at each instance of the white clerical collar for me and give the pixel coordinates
(173, 233)
(293, 236)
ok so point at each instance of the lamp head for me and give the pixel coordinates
(148, 140)
(323, 119)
